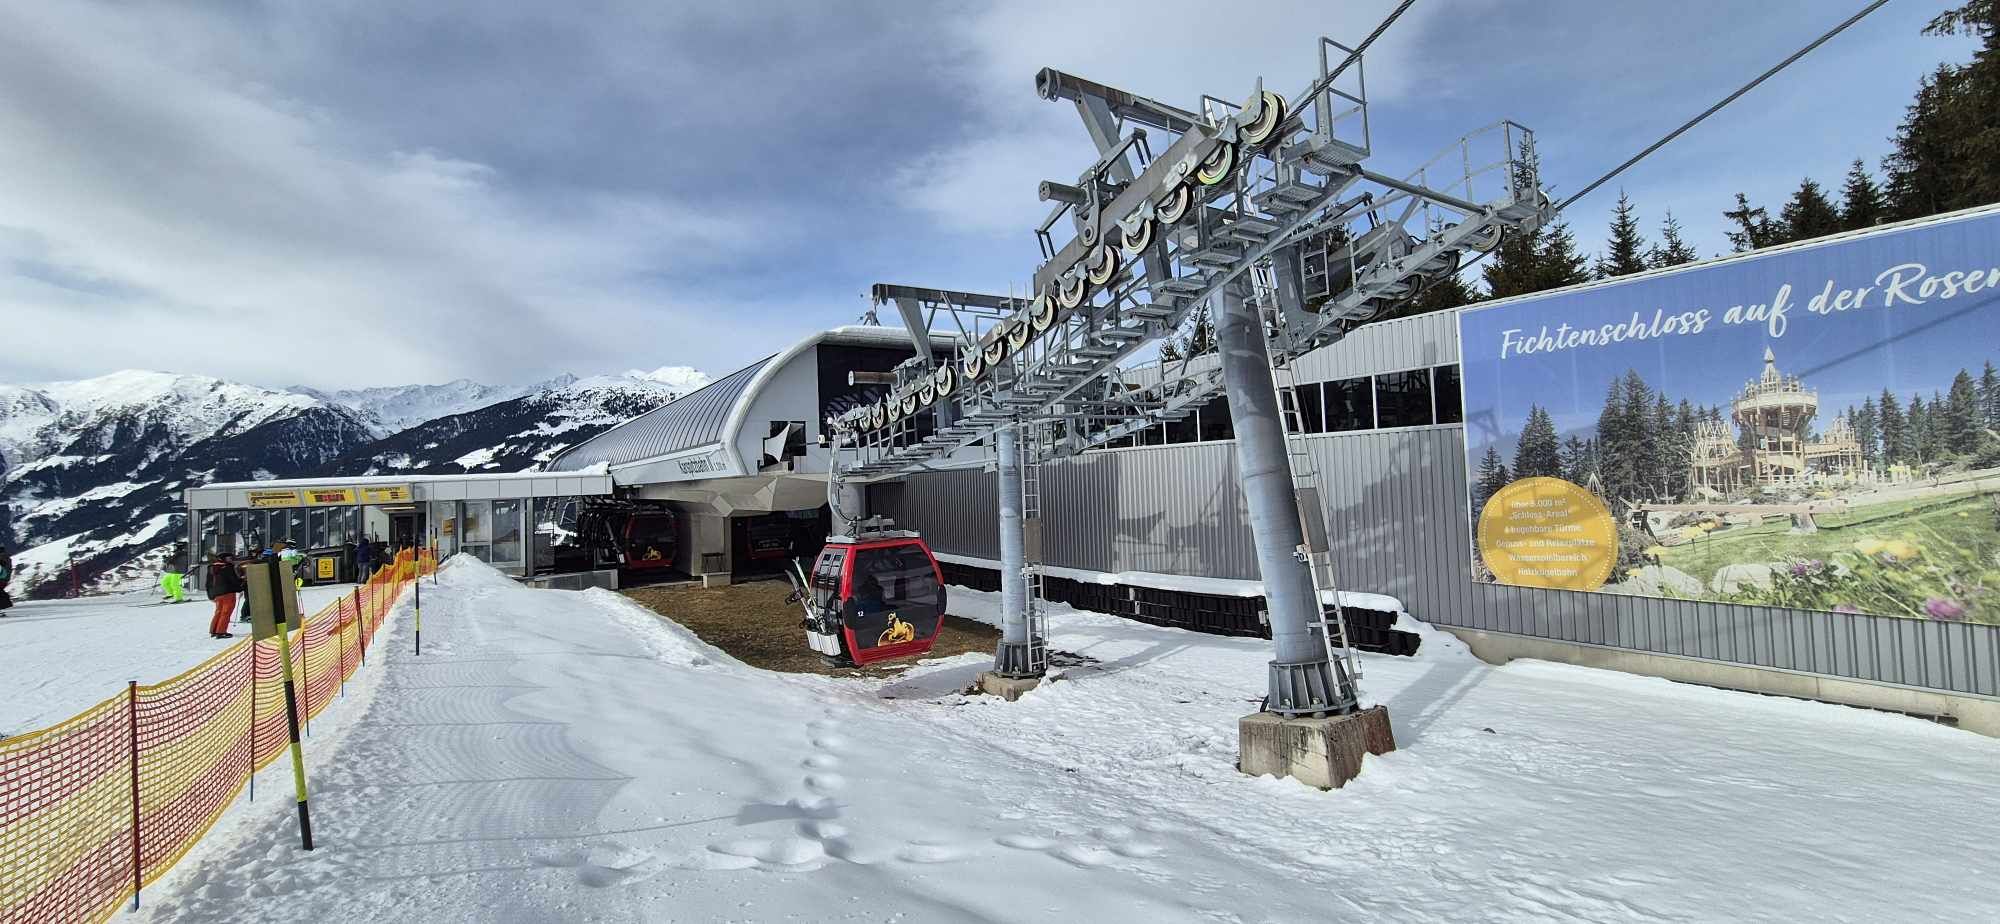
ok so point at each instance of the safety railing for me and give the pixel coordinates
(96, 807)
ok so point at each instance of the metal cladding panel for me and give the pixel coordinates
(693, 420)
(1388, 346)
(1396, 509)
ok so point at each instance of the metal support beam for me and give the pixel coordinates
(1011, 659)
(1301, 679)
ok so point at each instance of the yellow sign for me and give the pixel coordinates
(323, 569)
(386, 494)
(1547, 532)
(274, 498)
(327, 497)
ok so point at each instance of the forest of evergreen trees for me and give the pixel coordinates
(1945, 156)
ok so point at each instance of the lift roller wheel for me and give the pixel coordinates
(895, 410)
(996, 351)
(909, 405)
(1042, 313)
(1175, 204)
(878, 416)
(944, 380)
(1072, 291)
(1264, 125)
(1216, 167)
(975, 366)
(1137, 237)
(1017, 335)
(1103, 266)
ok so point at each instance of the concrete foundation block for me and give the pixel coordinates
(718, 579)
(1322, 752)
(1007, 688)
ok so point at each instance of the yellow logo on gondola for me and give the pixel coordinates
(897, 633)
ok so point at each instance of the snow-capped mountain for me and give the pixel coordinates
(523, 432)
(399, 407)
(91, 471)
(93, 468)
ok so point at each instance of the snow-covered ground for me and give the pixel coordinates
(59, 657)
(569, 756)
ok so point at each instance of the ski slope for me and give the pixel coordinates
(570, 756)
(59, 657)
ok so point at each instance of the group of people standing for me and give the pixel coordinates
(226, 582)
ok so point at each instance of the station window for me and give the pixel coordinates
(1215, 421)
(1403, 399)
(1350, 405)
(1184, 430)
(1312, 411)
(1449, 409)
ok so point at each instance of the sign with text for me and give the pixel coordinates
(1815, 427)
(273, 498)
(329, 497)
(386, 494)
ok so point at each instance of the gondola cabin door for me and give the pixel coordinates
(876, 600)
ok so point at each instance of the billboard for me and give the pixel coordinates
(1816, 428)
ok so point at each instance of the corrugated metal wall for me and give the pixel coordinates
(1396, 505)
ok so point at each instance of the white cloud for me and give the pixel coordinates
(1174, 51)
(161, 212)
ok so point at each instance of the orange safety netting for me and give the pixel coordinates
(96, 806)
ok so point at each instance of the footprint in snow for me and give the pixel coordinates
(820, 762)
(825, 782)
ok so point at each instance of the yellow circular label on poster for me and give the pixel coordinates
(1547, 532)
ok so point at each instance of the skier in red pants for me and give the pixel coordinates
(225, 581)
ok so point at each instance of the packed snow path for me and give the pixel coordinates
(569, 756)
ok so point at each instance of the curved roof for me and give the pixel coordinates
(695, 419)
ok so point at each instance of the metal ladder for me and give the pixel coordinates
(1316, 551)
(1029, 439)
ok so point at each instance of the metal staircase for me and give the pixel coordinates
(1316, 552)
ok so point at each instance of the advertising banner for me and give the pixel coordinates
(1816, 428)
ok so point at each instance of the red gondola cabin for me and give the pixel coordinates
(649, 540)
(875, 599)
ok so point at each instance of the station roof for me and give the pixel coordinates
(712, 415)
(232, 495)
(694, 419)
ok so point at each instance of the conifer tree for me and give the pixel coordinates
(1673, 249)
(1538, 452)
(1576, 461)
(1989, 397)
(1492, 477)
(1917, 432)
(1667, 465)
(1754, 227)
(1861, 203)
(1809, 214)
(1614, 456)
(1960, 422)
(1625, 252)
(1895, 430)
(1866, 430)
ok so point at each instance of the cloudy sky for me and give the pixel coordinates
(371, 193)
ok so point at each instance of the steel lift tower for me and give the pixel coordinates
(1261, 216)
